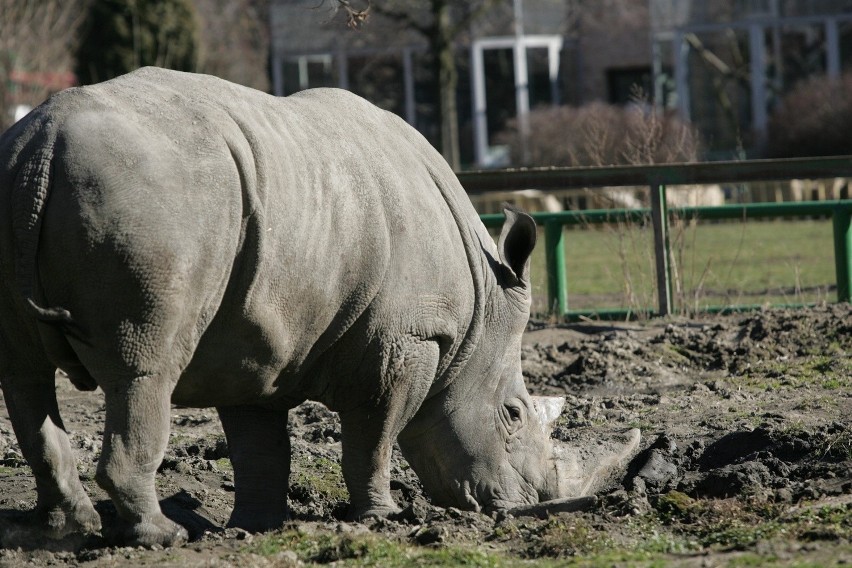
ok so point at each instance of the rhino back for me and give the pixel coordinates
(300, 231)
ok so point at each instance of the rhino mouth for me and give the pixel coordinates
(454, 494)
(494, 498)
(480, 497)
(488, 500)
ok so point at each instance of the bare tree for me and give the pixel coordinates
(37, 40)
(441, 23)
(235, 41)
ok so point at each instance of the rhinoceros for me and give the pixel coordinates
(175, 238)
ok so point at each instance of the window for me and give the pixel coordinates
(625, 84)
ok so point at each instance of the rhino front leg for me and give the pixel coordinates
(63, 506)
(369, 431)
(366, 463)
(259, 446)
(135, 437)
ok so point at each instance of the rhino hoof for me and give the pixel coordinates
(157, 532)
(371, 513)
(256, 522)
(31, 535)
(81, 519)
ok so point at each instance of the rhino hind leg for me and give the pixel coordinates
(369, 431)
(259, 447)
(63, 508)
(136, 432)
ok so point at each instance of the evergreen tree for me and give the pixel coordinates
(122, 35)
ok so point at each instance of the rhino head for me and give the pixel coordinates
(483, 443)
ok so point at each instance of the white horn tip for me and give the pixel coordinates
(548, 408)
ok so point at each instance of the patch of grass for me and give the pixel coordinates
(737, 525)
(749, 559)
(709, 524)
(323, 475)
(724, 263)
(827, 372)
(738, 533)
(642, 425)
(675, 505)
(566, 536)
(370, 550)
(732, 531)
(673, 355)
(838, 446)
(822, 523)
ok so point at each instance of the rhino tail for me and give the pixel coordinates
(49, 315)
(60, 317)
(29, 198)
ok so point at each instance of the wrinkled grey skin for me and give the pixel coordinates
(173, 238)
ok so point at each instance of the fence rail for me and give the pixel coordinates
(657, 178)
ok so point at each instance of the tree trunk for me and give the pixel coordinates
(447, 75)
(6, 66)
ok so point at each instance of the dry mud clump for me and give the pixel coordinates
(746, 457)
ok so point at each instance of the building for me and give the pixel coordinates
(23, 87)
(722, 64)
(726, 64)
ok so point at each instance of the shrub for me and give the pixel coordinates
(599, 134)
(814, 119)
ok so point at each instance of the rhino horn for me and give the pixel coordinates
(548, 409)
(584, 470)
(546, 508)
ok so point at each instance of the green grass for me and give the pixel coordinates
(680, 527)
(725, 264)
(324, 476)
(370, 550)
(829, 373)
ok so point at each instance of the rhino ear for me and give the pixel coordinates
(517, 240)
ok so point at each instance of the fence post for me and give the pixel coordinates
(843, 252)
(660, 220)
(554, 258)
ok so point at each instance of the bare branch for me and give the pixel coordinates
(408, 18)
(464, 22)
(714, 61)
(355, 17)
(37, 40)
(404, 18)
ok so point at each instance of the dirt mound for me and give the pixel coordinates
(746, 452)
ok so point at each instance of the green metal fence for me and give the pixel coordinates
(658, 178)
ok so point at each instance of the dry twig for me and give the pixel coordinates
(355, 17)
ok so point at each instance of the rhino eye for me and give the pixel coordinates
(514, 413)
(512, 416)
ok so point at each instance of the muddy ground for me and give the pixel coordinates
(747, 459)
